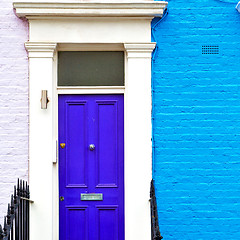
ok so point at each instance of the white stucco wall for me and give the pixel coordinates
(13, 102)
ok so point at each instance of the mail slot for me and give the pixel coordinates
(91, 196)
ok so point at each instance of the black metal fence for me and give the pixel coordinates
(156, 235)
(16, 222)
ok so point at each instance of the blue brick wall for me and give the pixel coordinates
(196, 121)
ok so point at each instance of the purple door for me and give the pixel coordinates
(91, 167)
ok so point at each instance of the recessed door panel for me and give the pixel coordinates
(91, 167)
(76, 133)
(77, 223)
(107, 159)
(107, 222)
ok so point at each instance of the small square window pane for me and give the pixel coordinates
(90, 69)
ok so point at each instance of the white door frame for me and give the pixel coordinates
(89, 26)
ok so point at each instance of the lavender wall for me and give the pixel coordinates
(13, 102)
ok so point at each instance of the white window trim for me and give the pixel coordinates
(47, 24)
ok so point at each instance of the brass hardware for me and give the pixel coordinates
(61, 198)
(62, 145)
(91, 147)
(91, 196)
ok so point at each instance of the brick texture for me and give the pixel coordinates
(196, 121)
(196, 117)
(13, 102)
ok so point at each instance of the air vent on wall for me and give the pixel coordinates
(210, 49)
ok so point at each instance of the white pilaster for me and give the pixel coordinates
(41, 142)
(138, 146)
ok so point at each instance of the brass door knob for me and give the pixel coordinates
(91, 147)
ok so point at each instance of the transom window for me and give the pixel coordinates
(91, 68)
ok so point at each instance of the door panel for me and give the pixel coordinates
(107, 142)
(77, 223)
(107, 222)
(85, 120)
(76, 140)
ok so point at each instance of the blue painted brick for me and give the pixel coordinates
(196, 120)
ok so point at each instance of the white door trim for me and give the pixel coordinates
(90, 90)
(44, 131)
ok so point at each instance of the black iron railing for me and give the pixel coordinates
(156, 235)
(16, 223)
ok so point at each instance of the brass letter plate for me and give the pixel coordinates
(91, 196)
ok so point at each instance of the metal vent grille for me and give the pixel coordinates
(210, 49)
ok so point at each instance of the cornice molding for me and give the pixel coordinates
(90, 9)
(40, 50)
(139, 50)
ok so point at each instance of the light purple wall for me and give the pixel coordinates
(13, 102)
